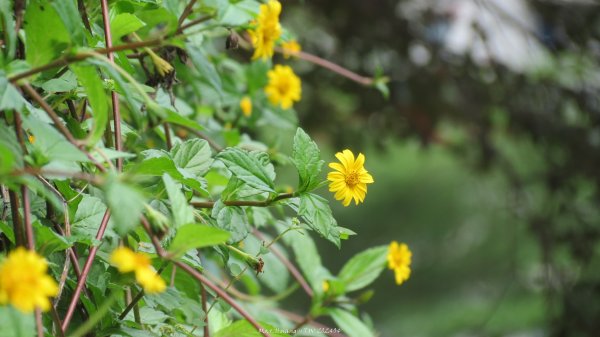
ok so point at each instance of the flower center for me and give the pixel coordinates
(352, 179)
(283, 87)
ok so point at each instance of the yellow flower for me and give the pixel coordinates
(399, 258)
(31, 139)
(246, 106)
(284, 87)
(290, 48)
(350, 178)
(150, 280)
(267, 30)
(162, 66)
(127, 261)
(325, 286)
(24, 282)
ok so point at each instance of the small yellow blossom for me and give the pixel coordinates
(325, 286)
(127, 261)
(267, 30)
(350, 178)
(31, 139)
(284, 87)
(290, 48)
(24, 281)
(162, 66)
(246, 106)
(399, 259)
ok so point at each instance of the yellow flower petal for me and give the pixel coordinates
(399, 259)
(349, 179)
(284, 87)
(150, 280)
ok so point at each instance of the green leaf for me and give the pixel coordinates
(7, 159)
(196, 236)
(182, 212)
(92, 83)
(175, 118)
(232, 219)
(66, 82)
(46, 34)
(12, 156)
(88, 216)
(206, 69)
(317, 214)
(16, 324)
(47, 240)
(8, 231)
(363, 268)
(350, 324)
(253, 168)
(51, 143)
(123, 24)
(307, 257)
(125, 203)
(67, 10)
(10, 98)
(193, 156)
(244, 329)
(307, 159)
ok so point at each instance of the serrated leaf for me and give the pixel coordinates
(363, 268)
(181, 210)
(196, 236)
(51, 143)
(232, 219)
(350, 324)
(247, 167)
(307, 159)
(47, 240)
(88, 217)
(89, 78)
(193, 156)
(317, 214)
(307, 256)
(158, 165)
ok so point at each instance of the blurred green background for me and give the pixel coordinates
(486, 156)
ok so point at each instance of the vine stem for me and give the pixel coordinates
(201, 278)
(293, 270)
(114, 96)
(84, 273)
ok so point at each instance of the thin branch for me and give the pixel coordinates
(331, 332)
(366, 81)
(198, 276)
(186, 12)
(16, 218)
(84, 273)
(114, 96)
(39, 324)
(199, 134)
(27, 217)
(289, 265)
(204, 300)
(265, 203)
(193, 23)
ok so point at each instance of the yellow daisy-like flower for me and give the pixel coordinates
(350, 178)
(399, 259)
(284, 87)
(290, 48)
(267, 30)
(24, 281)
(246, 106)
(127, 261)
(162, 66)
(325, 286)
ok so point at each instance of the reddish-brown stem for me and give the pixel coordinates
(53, 116)
(57, 323)
(16, 218)
(193, 23)
(289, 265)
(331, 66)
(168, 140)
(114, 96)
(195, 274)
(211, 142)
(38, 323)
(186, 12)
(204, 308)
(199, 277)
(66, 60)
(27, 217)
(84, 273)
